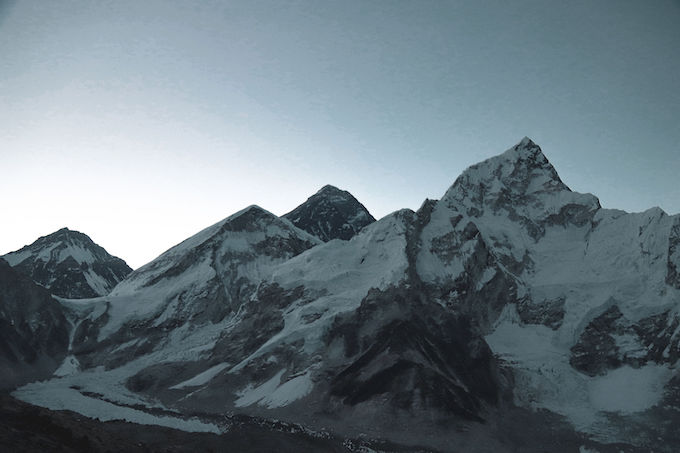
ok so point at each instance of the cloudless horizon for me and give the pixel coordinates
(141, 123)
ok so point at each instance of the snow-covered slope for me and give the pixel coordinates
(331, 213)
(69, 264)
(510, 295)
(590, 306)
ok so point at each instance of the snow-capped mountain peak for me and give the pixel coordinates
(331, 213)
(520, 185)
(69, 264)
(208, 275)
(509, 295)
(521, 170)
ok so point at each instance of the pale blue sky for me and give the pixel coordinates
(141, 122)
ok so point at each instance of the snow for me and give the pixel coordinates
(15, 258)
(629, 345)
(185, 343)
(56, 251)
(617, 259)
(628, 390)
(201, 378)
(127, 344)
(66, 398)
(544, 378)
(97, 282)
(531, 344)
(77, 252)
(272, 393)
(488, 274)
(289, 391)
(251, 395)
(227, 256)
(584, 449)
(68, 367)
(343, 271)
(151, 301)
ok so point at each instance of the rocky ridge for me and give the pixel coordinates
(510, 295)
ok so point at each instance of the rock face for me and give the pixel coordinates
(510, 302)
(33, 330)
(70, 265)
(331, 213)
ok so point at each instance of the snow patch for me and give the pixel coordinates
(627, 390)
(68, 367)
(272, 394)
(251, 395)
(103, 410)
(201, 378)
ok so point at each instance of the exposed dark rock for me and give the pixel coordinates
(331, 213)
(413, 357)
(673, 272)
(610, 340)
(596, 351)
(549, 312)
(33, 330)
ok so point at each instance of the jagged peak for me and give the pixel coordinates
(63, 237)
(526, 143)
(520, 168)
(251, 209)
(332, 194)
(526, 152)
(249, 219)
(521, 175)
(331, 213)
(65, 232)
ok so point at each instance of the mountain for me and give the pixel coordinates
(70, 265)
(331, 213)
(513, 314)
(33, 330)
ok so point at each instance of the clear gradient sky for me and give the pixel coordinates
(141, 122)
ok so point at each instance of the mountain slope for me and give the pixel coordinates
(33, 330)
(588, 307)
(70, 265)
(331, 213)
(511, 301)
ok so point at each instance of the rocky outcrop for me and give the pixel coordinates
(34, 333)
(331, 213)
(611, 340)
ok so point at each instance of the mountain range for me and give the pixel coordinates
(512, 314)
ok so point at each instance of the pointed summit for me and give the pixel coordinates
(521, 181)
(328, 188)
(69, 264)
(331, 213)
(521, 170)
(527, 143)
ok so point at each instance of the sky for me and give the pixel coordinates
(141, 123)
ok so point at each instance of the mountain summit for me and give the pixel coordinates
(331, 213)
(511, 313)
(70, 265)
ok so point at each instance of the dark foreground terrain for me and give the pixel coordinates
(27, 428)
